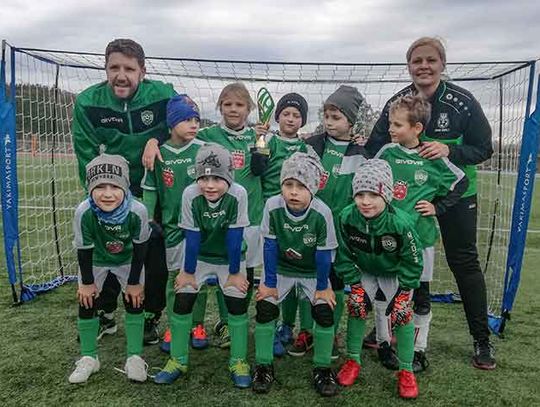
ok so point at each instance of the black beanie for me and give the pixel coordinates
(347, 100)
(293, 100)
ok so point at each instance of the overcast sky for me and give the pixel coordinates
(284, 30)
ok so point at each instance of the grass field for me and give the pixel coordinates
(39, 346)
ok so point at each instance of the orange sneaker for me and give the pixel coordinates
(349, 373)
(407, 386)
(199, 339)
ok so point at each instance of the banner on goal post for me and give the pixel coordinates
(8, 175)
(521, 210)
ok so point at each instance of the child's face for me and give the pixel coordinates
(401, 130)
(296, 195)
(369, 204)
(185, 131)
(235, 111)
(123, 74)
(336, 124)
(108, 197)
(290, 121)
(212, 187)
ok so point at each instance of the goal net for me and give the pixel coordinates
(43, 85)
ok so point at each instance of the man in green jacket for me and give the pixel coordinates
(118, 116)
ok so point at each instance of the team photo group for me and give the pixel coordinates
(329, 223)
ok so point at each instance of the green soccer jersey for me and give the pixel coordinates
(336, 187)
(212, 219)
(417, 178)
(112, 244)
(386, 245)
(239, 144)
(298, 237)
(280, 148)
(168, 180)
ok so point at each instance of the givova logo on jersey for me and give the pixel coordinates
(168, 177)
(400, 190)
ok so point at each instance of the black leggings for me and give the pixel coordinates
(458, 230)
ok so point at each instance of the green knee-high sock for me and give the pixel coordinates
(180, 329)
(323, 340)
(88, 332)
(306, 319)
(222, 307)
(264, 340)
(338, 310)
(355, 335)
(170, 293)
(134, 333)
(405, 345)
(238, 327)
(288, 308)
(199, 308)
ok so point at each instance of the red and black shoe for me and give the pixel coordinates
(348, 373)
(302, 344)
(407, 386)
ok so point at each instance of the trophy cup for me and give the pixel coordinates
(265, 105)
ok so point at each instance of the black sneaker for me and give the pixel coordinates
(484, 355)
(325, 382)
(263, 377)
(370, 340)
(420, 362)
(151, 332)
(387, 356)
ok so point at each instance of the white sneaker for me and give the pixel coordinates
(85, 366)
(136, 368)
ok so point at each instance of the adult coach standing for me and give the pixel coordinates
(118, 116)
(460, 131)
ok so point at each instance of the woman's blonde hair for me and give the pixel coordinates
(238, 89)
(432, 42)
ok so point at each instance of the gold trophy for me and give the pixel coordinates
(265, 105)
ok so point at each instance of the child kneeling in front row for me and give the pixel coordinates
(111, 233)
(299, 239)
(213, 216)
(378, 250)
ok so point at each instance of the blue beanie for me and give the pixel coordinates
(180, 108)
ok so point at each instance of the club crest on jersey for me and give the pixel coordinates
(292, 254)
(309, 239)
(420, 177)
(191, 171)
(336, 169)
(389, 243)
(168, 177)
(114, 247)
(400, 190)
(239, 159)
(323, 179)
(147, 117)
(443, 122)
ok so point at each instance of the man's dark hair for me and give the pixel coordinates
(127, 47)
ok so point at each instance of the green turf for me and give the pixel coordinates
(39, 346)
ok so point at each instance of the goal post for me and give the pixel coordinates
(39, 88)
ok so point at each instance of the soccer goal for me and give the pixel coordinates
(40, 187)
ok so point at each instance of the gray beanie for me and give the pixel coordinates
(374, 175)
(347, 100)
(107, 169)
(305, 168)
(216, 160)
(293, 100)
